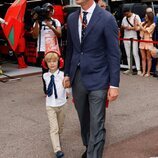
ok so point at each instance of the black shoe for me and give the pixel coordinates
(155, 75)
(84, 155)
(59, 154)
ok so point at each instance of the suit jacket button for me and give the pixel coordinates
(81, 53)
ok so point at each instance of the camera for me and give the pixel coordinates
(42, 12)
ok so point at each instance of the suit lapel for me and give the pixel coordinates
(95, 17)
(75, 24)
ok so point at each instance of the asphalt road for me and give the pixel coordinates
(131, 121)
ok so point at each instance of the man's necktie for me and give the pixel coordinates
(84, 24)
(52, 87)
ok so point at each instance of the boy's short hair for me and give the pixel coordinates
(51, 55)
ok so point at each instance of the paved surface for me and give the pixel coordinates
(131, 121)
(13, 71)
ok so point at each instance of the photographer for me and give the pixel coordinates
(45, 26)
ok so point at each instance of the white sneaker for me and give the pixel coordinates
(147, 75)
(126, 72)
(139, 73)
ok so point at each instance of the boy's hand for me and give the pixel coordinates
(66, 82)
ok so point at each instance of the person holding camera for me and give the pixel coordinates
(44, 26)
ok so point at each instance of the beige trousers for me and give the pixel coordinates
(56, 120)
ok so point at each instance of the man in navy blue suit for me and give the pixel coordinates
(93, 69)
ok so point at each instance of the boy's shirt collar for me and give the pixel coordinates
(55, 73)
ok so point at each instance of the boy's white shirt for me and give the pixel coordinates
(61, 91)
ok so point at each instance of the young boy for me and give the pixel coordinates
(55, 99)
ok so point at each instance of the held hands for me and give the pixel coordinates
(66, 82)
(112, 94)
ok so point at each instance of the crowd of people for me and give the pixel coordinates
(133, 27)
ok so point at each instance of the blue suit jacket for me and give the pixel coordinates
(98, 54)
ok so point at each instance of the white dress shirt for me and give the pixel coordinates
(61, 92)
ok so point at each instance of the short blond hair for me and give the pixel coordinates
(51, 55)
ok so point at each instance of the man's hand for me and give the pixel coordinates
(66, 82)
(112, 94)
